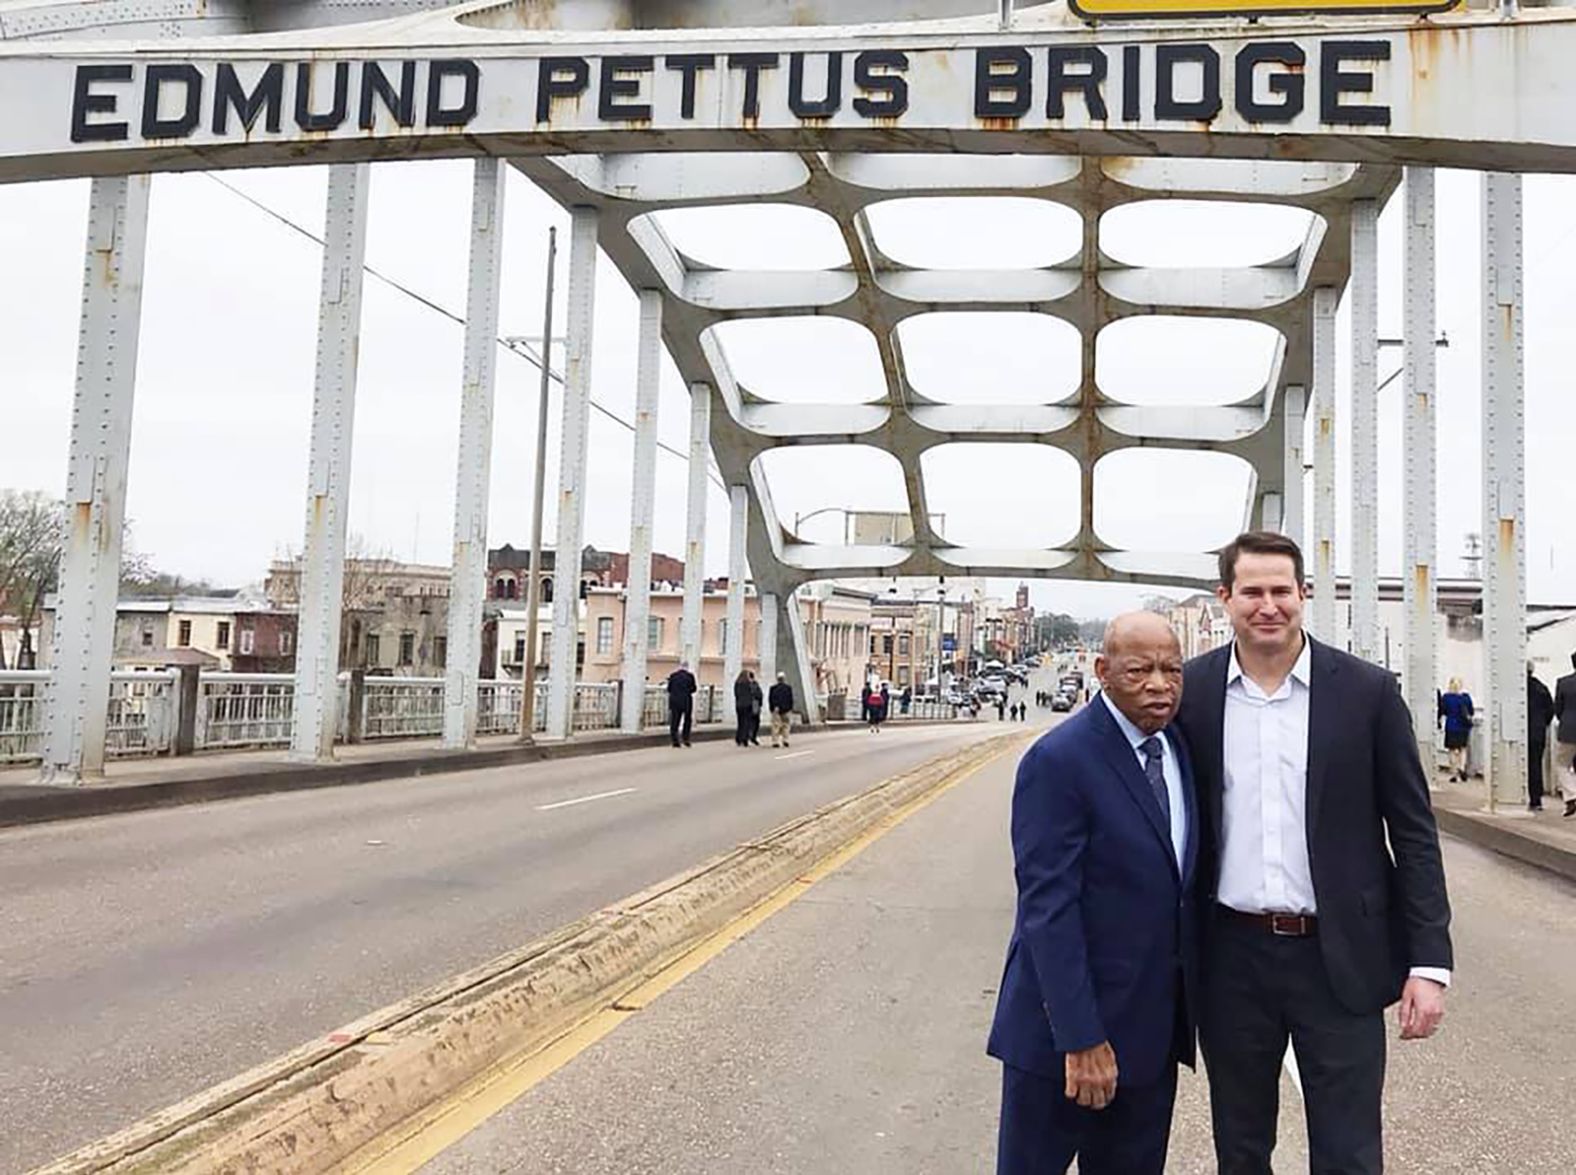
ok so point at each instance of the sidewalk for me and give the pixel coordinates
(135, 784)
(1543, 839)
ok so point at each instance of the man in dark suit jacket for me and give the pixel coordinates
(1320, 872)
(1096, 1003)
(681, 703)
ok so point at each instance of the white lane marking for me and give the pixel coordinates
(606, 795)
(795, 755)
(1290, 1065)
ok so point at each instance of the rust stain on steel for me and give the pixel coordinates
(1507, 539)
(1420, 577)
(999, 124)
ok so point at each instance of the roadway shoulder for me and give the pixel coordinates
(1542, 840)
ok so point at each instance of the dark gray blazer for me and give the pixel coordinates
(1373, 846)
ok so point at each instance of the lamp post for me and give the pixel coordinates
(533, 591)
(941, 632)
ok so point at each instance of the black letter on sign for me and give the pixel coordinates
(437, 113)
(1333, 82)
(613, 87)
(304, 117)
(892, 85)
(183, 124)
(1167, 105)
(752, 64)
(559, 77)
(1131, 61)
(822, 107)
(1089, 83)
(228, 94)
(1007, 69)
(1291, 85)
(84, 102)
(375, 84)
(690, 65)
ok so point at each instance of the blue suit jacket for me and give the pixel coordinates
(1105, 944)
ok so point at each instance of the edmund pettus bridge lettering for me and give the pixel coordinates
(1266, 82)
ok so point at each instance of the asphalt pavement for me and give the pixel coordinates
(846, 1035)
(146, 956)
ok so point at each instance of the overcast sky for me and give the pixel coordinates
(219, 449)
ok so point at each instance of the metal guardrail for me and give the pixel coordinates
(257, 710)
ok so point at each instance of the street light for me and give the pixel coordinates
(533, 591)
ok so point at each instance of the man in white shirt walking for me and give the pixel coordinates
(1321, 872)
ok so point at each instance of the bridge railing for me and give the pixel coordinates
(257, 710)
(237, 711)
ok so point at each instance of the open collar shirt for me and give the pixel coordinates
(1264, 866)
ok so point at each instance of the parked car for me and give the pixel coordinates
(1062, 702)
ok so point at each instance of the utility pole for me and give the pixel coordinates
(533, 591)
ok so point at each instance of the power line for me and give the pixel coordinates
(518, 349)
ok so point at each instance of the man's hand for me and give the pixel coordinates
(1091, 1076)
(1422, 1008)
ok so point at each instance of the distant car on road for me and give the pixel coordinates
(1061, 703)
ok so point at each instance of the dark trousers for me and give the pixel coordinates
(1535, 749)
(1042, 1131)
(1259, 991)
(680, 716)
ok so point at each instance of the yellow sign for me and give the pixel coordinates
(1196, 9)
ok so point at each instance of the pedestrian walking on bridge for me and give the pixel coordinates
(743, 704)
(1455, 712)
(780, 699)
(681, 703)
(1565, 748)
(1540, 712)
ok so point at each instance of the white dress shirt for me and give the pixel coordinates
(1264, 819)
(1169, 768)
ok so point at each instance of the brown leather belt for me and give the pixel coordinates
(1284, 925)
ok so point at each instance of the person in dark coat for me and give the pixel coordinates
(743, 700)
(780, 701)
(1565, 736)
(1540, 712)
(681, 703)
(757, 704)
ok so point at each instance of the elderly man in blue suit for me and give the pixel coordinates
(1096, 1004)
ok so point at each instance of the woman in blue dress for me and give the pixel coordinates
(1455, 712)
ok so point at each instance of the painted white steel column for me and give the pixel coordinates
(1324, 604)
(96, 474)
(1504, 491)
(733, 655)
(573, 452)
(637, 592)
(468, 576)
(1293, 510)
(770, 604)
(1419, 527)
(695, 527)
(328, 463)
(1365, 430)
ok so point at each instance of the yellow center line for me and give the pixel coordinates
(416, 1142)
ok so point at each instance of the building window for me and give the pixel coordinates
(184, 639)
(547, 591)
(902, 675)
(902, 645)
(246, 638)
(286, 639)
(722, 637)
(440, 651)
(223, 639)
(654, 633)
(500, 586)
(374, 650)
(886, 644)
(147, 638)
(604, 636)
(407, 648)
(519, 649)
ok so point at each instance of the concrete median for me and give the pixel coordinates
(313, 1109)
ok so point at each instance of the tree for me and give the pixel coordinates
(32, 527)
(1092, 632)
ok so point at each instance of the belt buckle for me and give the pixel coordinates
(1287, 925)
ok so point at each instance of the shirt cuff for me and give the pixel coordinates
(1439, 975)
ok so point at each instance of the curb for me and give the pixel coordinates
(313, 1108)
(79, 803)
(1503, 839)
